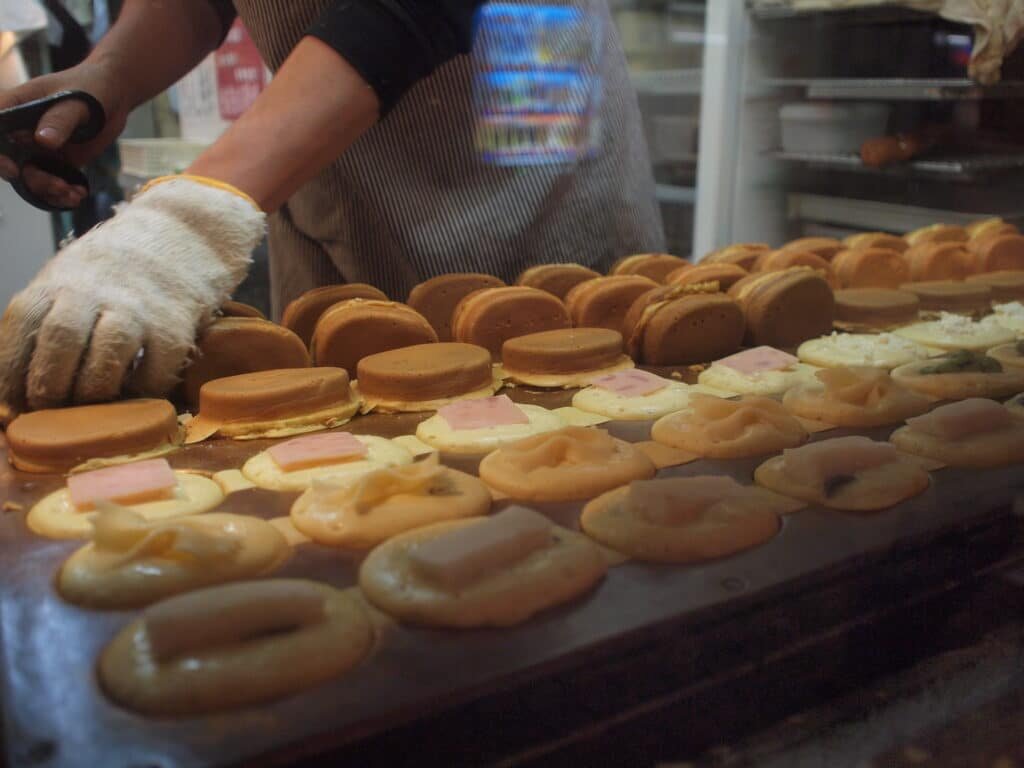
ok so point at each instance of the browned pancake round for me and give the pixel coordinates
(57, 440)
(302, 314)
(876, 240)
(741, 254)
(784, 309)
(604, 301)
(566, 350)
(939, 261)
(876, 308)
(723, 273)
(234, 345)
(784, 259)
(490, 317)
(1006, 285)
(937, 233)
(825, 247)
(694, 328)
(273, 395)
(870, 268)
(350, 331)
(999, 252)
(656, 266)
(437, 297)
(951, 296)
(556, 279)
(238, 309)
(425, 372)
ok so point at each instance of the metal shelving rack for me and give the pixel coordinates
(953, 168)
(896, 88)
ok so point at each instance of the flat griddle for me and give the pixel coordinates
(55, 713)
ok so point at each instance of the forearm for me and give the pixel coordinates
(154, 43)
(313, 110)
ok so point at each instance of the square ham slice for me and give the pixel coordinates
(758, 360)
(127, 484)
(482, 413)
(631, 383)
(317, 450)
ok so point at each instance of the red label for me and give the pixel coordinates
(240, 72)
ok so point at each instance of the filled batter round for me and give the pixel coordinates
(235, 645)
(855, 397)
(359, 513)
(499, 583)
(572, 463)
(132, 562)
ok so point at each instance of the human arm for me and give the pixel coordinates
(150, 46)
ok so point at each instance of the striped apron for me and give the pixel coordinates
(414, 197)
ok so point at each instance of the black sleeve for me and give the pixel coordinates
(395, 43)
(225, 11)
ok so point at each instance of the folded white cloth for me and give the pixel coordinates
(998, 25)
(147, 280)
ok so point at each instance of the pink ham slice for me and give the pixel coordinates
(135, 483)
(678, 500)
(317, 450)
(963, 419)
(759, 360)
(631, 383)
(482, 413)
(816, 464)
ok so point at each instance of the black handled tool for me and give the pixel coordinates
(25, 117)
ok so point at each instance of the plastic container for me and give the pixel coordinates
(825, 128)
(149, 158)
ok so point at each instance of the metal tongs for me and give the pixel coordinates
(24, 118)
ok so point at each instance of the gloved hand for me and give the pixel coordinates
(147, 279)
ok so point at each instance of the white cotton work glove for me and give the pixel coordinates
(147, 280)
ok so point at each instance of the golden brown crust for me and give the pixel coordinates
(870, 268)
(741, 254)
(53, 441)
(238, 309)
(875, 308)
(783, 259)
(604, 302)
(277, 394)
(489, 317)
(565, 350)
(999, 252)
(656, 266)
(785, 308)
(939, 261)
(351, 330)
(302, 314)
(937, 233)
(825, 247)
(556, 279)
(1006, 285)
(425, 372)
(235, 345)
(437, 298)
(695, 328)
(724, 273)
(876, 240)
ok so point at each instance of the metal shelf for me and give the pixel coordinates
(897, 88)
(951, 168)
(776, 11)
(670, 193)
(668, 82)
(871, 215)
